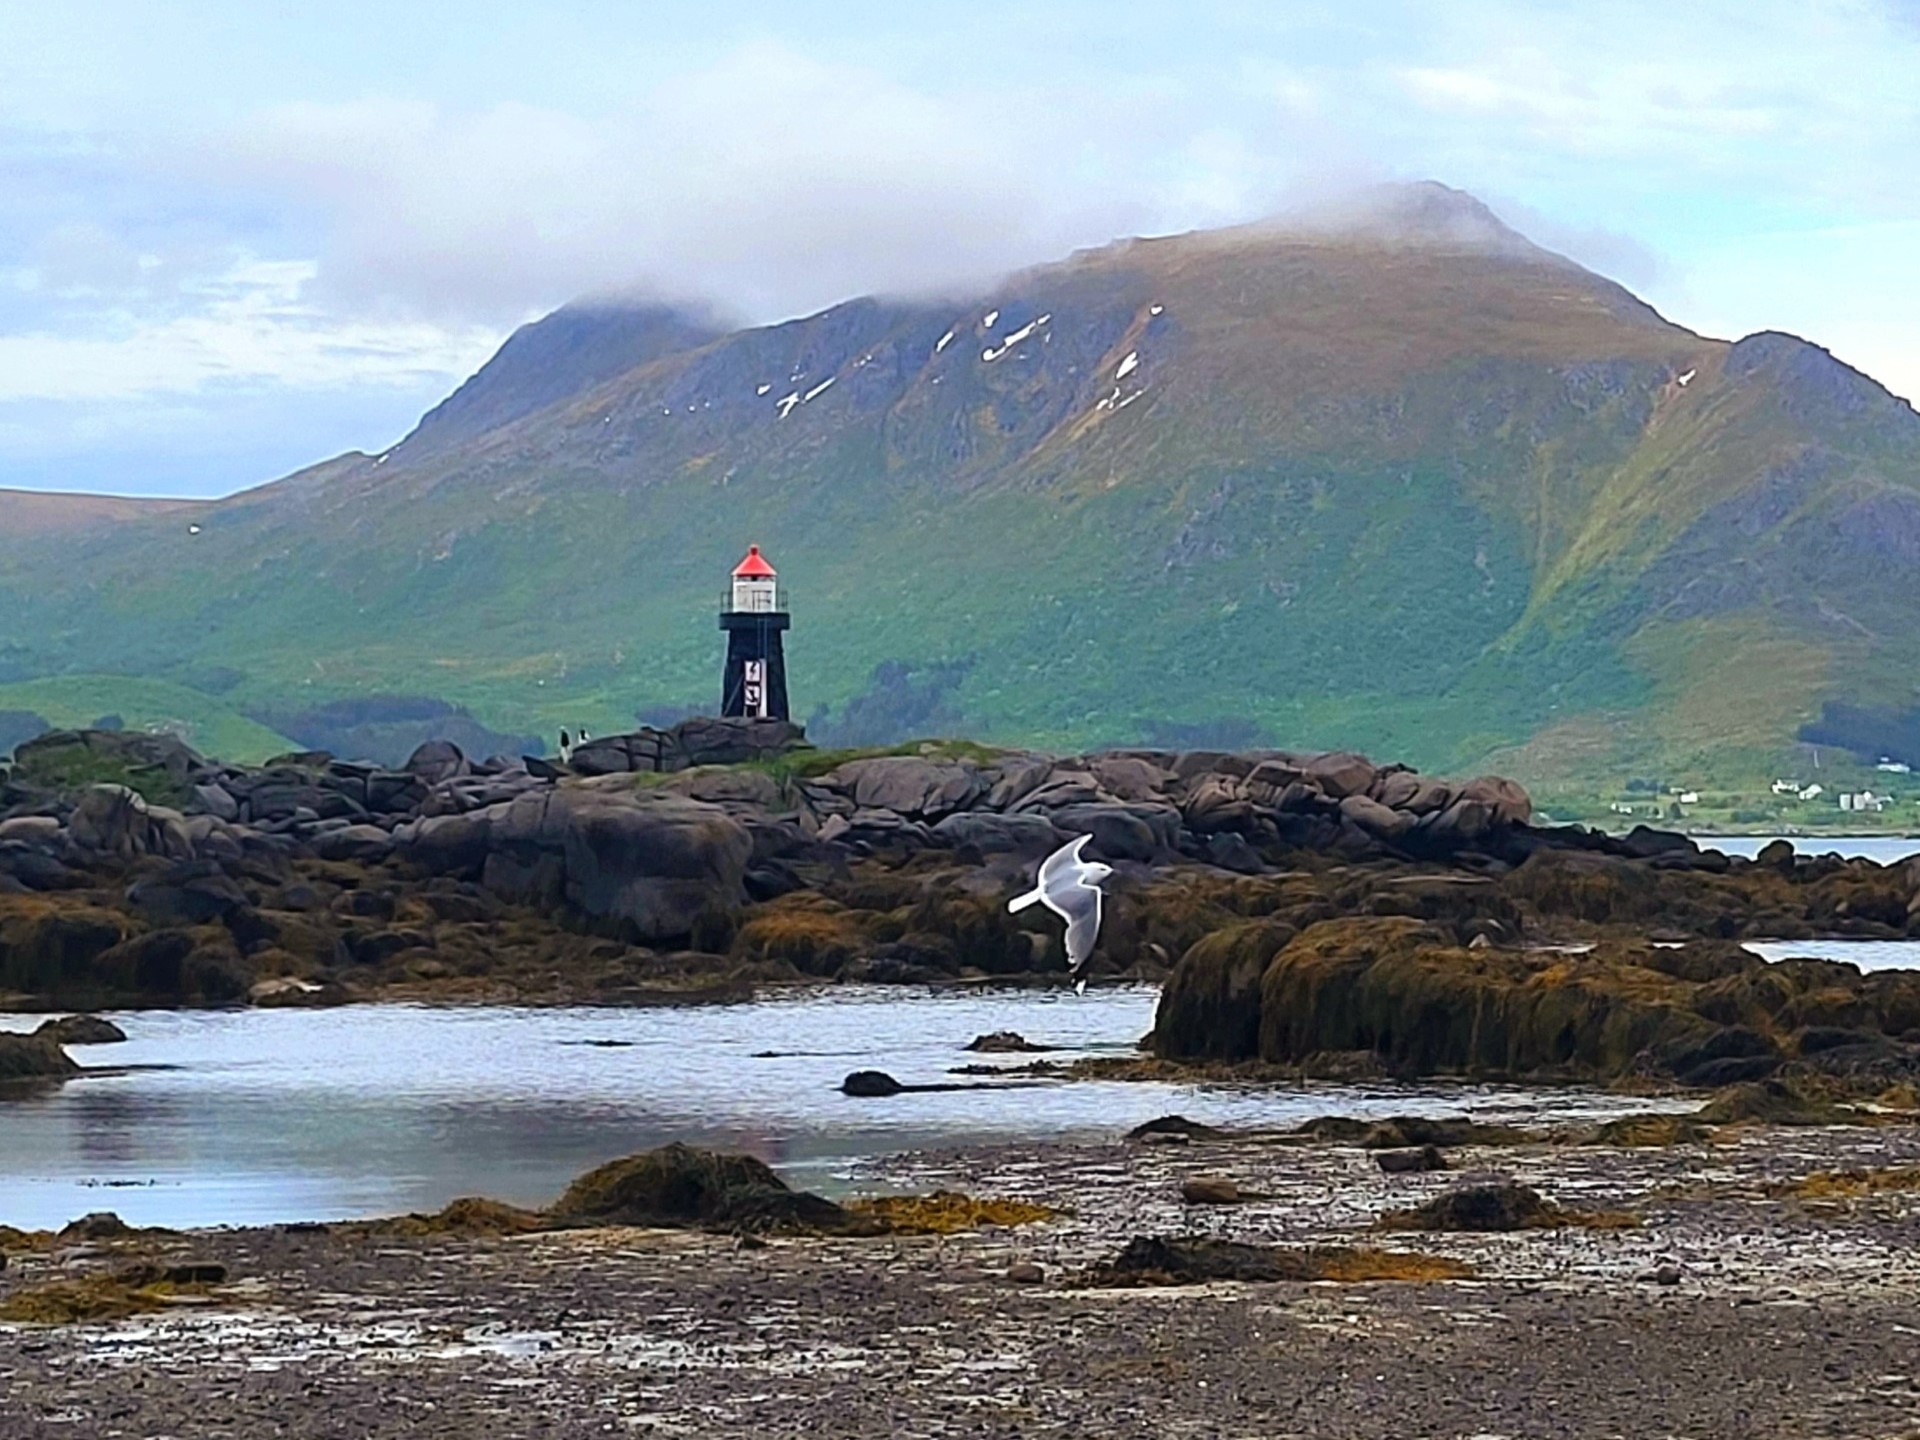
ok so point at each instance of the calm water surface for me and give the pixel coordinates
(1885, 849)
(271, 1115)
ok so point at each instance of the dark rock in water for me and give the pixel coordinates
(33, 1057)
(1478, 1208)
(870, 1084)
(81, 1030)
(1410, 1162)
(1025, 1272)
(1005, 1042)
(1175, 1125)
(678, 1185)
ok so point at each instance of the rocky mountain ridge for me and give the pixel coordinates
(1413, 485)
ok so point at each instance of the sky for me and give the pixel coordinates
(237, 238)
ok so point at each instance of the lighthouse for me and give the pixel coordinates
(755, 683)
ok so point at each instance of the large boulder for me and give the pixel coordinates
(706, 740)
(114, 820)
(909, 785)
(678, 1185)
(1122, 832)
(192, 892)
(992, 834)
(1406, 993)
(160, 767)
(32, 1057)
(48, 951)
(437, 761)
(650, 860)
(1506, 799)
(1379, 820)
(1341, 773)
(81, 1030)
(1210, 1006)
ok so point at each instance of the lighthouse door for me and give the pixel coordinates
(753, 696)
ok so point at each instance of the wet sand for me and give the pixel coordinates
(1730, 1312)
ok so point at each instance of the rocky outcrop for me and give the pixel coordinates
(315, 876)
(692, 743)
(1406, 993)
(651, 862)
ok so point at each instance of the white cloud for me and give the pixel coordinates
(249, 325)
(233, 207)
(772, 182)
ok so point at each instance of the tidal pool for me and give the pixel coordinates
(258, 1116)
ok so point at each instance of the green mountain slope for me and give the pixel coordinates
(1410, 484)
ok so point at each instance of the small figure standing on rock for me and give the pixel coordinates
(1070, 887)
(566, 749)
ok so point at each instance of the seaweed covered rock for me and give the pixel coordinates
(1005, 1042)
(1407, 992)
(680, 1186)
(1501, 1206)
(1158, 1260)
(1210, 1006)
(81, 1030)
(33, 1057)
(1410, 1162)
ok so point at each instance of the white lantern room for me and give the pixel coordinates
(755, 584)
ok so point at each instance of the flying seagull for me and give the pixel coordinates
(1070, 887)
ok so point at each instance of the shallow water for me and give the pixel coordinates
(273, 1115)
(1883, 849)
(1867, 954)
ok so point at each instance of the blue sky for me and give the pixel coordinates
(238, 238)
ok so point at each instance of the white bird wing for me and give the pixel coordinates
(1079, 906)
(1064, 864)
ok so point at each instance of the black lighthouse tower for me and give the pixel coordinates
(755, 684)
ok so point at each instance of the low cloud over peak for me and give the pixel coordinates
(214, 215)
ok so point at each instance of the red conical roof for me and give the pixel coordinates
(754, 567)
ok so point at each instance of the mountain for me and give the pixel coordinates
(567, 352)
(36, 512)
(1395, 478)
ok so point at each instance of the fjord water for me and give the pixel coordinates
(274, 1115)
(1881, 849)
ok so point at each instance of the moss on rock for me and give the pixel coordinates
(680, 1186)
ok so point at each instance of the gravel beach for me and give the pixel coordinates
(1732, 1309)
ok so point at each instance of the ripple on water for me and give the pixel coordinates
(272, 1115)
